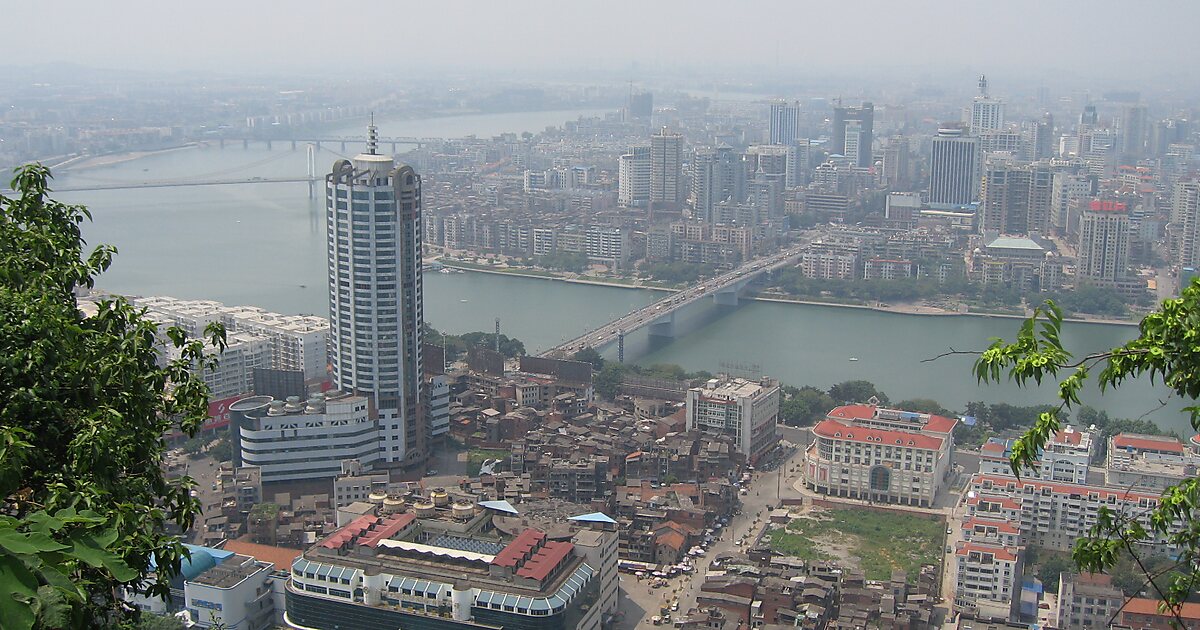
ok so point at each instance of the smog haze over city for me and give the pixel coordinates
(520, 295)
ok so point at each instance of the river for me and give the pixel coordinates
(264, 245)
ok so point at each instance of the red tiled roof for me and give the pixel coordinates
(1143, 606)
(387, 529)
(1068, 437)
(1147, 443)
(1001, 526)
(1001, 553)
(672, 539)
(281, 557)
(1004, 502)
(352, 529)
(999, 484)
(937, 424)
(836, 430)
(852, 412)
(992, 447)
(545, 560)
(515, 551)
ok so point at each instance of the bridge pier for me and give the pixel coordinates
(343, 146)
(293, 145)
(393, 148)
(268, 145)
(318, 145)
(245, 143)
(726, 297)
(664, 327)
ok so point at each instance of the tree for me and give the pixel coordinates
(804, 406)
(608, 381)
(856, 392)
(924, 405)
(1167, 352)
(151, 621)
(589, 355)
(1050, 568)
(84, 404)
(222, 451)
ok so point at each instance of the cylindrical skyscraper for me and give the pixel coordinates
(373, 218)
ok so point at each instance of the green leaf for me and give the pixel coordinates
(19, 543)
(87, 550)
(16, 581)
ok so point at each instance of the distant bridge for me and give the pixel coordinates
(317, 141)
(659, 317)
(179, 183)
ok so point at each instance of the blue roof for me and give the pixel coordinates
(594, 517)
(202, 559)
(499, 506)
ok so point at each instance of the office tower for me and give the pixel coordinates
(641, 107)
(633, 178)
(1040, 138)
(665, 162)
(373, 214)
(717, 175)
(747, 411)
(799, 160)
(785, 122)
(1089, 116)
(1133, 133)
(1103, 249)
(1015, 198)
(863, 120)
(987, 113)
(897, 163)
(953, 168)
(1184, 231)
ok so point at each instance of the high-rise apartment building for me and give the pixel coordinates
(953, 168)
(853, 132)
(633, 178)
(1015, 198)
(1065, 187)
(373, 214)
(666, 157)
(1103, 249)
(1134, 133)
(987, 113)
(785, 122)
(1184, 231)
(717, 175)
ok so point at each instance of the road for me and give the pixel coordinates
(764, 493)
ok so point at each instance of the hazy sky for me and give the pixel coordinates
(1114, 39)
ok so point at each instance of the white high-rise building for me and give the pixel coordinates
(954, 168)
(1184, 230)
(717, 175)
(373, 214)
(666, 156)
(1103, 250)
(987, 113)
(633, 178)
(785, 122)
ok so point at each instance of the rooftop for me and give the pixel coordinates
(230, 572)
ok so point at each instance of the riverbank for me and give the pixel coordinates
(895, 309)
(549, 275)
(85, 162)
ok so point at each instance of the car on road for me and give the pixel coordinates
(431, 472)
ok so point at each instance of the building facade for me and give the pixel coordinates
(633, 178)
(1103, 246)
(290, 440)
(879, 454)
(747, 411)
(376, 312)
(666, 163)
(954, 165)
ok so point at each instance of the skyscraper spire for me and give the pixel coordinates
(983, 85)
(372, 136)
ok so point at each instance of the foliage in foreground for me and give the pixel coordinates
(1167, 351)
(84, 404)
